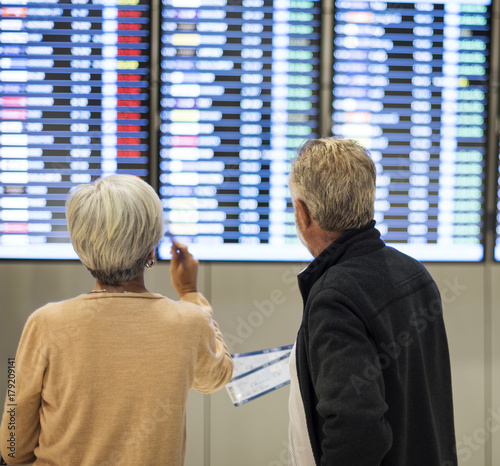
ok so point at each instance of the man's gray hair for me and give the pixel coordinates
(114, 223)
(335, 178)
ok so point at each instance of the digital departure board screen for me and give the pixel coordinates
(74, 106)
(411, 84)
(239, 94)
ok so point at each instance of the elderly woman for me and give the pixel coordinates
(102, 379)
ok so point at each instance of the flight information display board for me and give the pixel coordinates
(74, 106)
(239, 93)
(411, 84)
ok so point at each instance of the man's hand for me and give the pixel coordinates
(183, 269)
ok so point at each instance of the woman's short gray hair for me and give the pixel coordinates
(335, 178)
(114, 223)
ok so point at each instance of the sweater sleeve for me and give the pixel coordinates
(214, 367)
(348, 383)
(21, 420)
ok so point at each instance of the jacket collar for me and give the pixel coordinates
(350, 244)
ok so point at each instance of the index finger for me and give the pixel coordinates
(178, 247)
(181, 252)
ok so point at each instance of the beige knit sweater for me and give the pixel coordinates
(103, 380)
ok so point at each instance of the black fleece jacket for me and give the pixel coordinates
(372, 358)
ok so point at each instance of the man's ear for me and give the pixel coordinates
(303, 214)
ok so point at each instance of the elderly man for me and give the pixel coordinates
(370, 370)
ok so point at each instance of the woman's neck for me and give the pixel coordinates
(135, 285)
